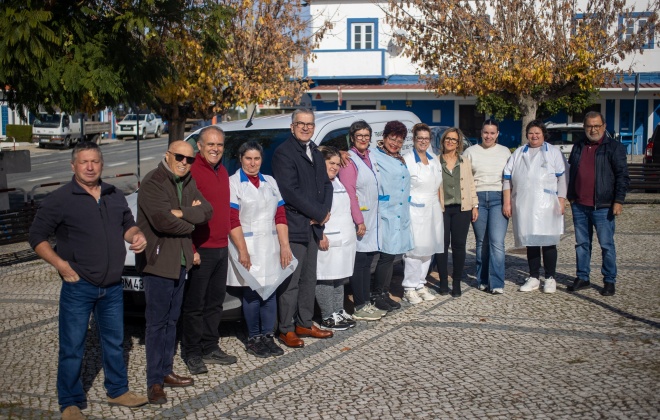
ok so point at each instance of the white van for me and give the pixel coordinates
(331, 129)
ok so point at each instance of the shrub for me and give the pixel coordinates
(22, 133)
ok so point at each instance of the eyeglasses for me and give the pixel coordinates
(593, 127)
(451, 139)
(179, 157)
(301, 124)
(423, 139)
(395, 140)
(362, 136)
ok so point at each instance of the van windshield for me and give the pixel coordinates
(268, 139)
(133, 117)
(47, 120)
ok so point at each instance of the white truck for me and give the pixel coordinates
(64, 130)
(149, 124)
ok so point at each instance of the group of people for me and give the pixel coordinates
(299, 236)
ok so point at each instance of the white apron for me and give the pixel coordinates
(425, 211)
(257, 208)
(337, 262)
(536, 213)
(366, 189)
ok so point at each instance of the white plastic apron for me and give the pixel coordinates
(337, 262)
(366, 189)
(537, 218)
(257, 215)
(425, 211)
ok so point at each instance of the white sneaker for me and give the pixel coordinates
(498, 291)
(549, 285)
(531, 283)
(425, 294)
(483, 287)
(412, 297)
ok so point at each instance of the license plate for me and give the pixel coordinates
(44, 140)
(127, 128)
(133, 283)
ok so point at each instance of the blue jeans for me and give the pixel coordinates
(164, 297)
(489, 232)
(77, 302)
(584, 220)
(260, 315)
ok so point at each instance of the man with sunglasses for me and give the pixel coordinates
(300, 172)
(169, 207)
(207, 284)
(597, 188)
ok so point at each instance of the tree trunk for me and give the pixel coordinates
(528, 106)
(177, 124)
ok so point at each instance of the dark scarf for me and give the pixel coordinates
(396, 155)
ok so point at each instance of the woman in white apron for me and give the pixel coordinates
(259, 253)
(336, 255)
(535, 184)
(425, 215)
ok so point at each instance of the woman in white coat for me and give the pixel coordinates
(336, 257)
(535, 185)
(259, 252)
(425, 215)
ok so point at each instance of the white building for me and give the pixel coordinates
(357, 66)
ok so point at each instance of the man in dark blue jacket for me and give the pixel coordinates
(299, 169)
(596, 189)
(90, 220)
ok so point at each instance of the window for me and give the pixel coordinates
(362, 34)
(635, 24)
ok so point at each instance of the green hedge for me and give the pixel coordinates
(22, 133)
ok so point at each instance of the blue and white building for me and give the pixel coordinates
(358, 66)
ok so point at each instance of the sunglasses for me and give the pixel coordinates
(179, 157)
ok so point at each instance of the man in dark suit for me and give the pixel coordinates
(299, 169)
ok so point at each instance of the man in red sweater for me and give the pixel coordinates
(207, 284)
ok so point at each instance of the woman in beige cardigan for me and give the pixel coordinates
(458, 198)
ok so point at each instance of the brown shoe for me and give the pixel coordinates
(72, 412)
(156, 394)
(313, 332)
(175, 381)
(129, 399)
(290, 339)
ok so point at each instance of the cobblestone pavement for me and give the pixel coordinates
(518, 355)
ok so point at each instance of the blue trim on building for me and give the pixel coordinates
(349, 33)
(4, 109)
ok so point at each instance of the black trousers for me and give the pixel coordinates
(295, 296)
(361, 278)
(457, 225)
(549, 260)
(202, 303)
(383, 275)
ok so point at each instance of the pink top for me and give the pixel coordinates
(348, 176)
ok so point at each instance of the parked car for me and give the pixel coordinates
(149, 124)
(331, 129)
(563, 135)
(436, 134)
(652, 154)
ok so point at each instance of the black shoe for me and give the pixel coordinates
(393, 303)
(196, 365)
(334, 323)
(256, 347)
(456, 292)
(347, 318)
(608, 289)
(443, 287)
(273, 348)
(578, 284)
(380, 303)
(219, 357)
